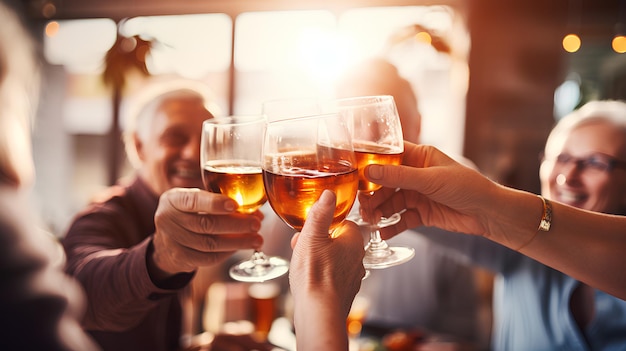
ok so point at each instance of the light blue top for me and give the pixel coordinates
(432, 292)
(531, 301)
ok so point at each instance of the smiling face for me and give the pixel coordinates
(586, 187)
(170, 151)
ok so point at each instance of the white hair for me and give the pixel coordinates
(144, 107)
(598, 111)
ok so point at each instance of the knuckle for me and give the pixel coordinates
(161, 218)
(207, 223)
(189, 200)
(210, 243)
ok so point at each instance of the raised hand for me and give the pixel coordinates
(197, 228)
(324, 277)
(428, 179)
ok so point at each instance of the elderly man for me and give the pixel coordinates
(137, 248)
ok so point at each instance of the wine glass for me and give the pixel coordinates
(377, 138)
(301, 158)
(230, 156)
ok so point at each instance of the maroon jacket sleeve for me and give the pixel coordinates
(106, 248)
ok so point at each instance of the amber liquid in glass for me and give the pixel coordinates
(367, 154)
(264, 298)
(240, 181)
(292, 193)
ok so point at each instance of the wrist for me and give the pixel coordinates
(161, 277)
(513, 220)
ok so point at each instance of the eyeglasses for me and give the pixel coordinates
(597, 162)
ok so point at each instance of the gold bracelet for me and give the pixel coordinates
(546, 217)
(545, 223)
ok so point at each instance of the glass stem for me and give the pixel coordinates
(258, 257)
(377, 246)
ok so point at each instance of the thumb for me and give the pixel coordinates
(320, 216)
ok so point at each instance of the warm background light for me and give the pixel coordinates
(424, 37)
(619, 44)
(571, 43)
(52, 28)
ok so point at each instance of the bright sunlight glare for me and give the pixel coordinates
(323, 55)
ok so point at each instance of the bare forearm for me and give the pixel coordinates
(588, 246)
(439, 192)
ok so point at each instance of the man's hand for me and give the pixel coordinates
(197, 228)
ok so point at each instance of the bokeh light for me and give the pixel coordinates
(619, 44)
(52, 29)
(424, 37)
(571, 43)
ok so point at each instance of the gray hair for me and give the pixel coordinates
(145, 106)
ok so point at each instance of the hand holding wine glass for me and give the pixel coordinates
(377, 138)
(230, 157)
(324, 277)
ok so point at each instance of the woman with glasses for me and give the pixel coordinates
(584, 162)
(535, 307)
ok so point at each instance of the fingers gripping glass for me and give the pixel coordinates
(230, 156)
(377, 138)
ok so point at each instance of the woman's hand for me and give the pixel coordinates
(324, 277)
(432, 189)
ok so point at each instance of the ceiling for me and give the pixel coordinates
(119, 9)
(592, 15)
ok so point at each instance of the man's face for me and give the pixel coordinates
(171, 153)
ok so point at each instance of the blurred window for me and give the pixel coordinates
(190, 46)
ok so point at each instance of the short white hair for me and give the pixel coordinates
(144, 107)
(612, 112)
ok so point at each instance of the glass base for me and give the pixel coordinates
(387, 257)
(259, 268)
